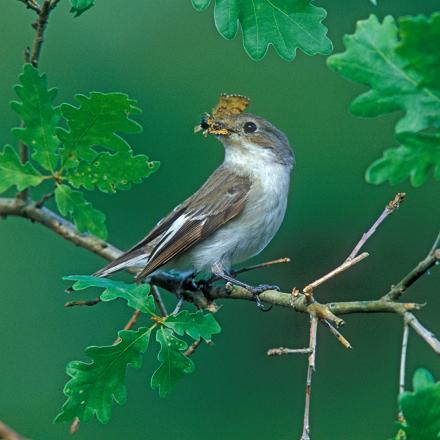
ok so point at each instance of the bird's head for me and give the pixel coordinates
(245, 133)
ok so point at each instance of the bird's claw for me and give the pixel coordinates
(256, 290)
(260, 305)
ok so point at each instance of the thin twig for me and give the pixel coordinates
(179, 305)
(337, 334)
(389, 209)
(44, 199)
(424, 333)
(130, 323)
(40, 27)
(263, 265)
(403, 357)
(133, 319)
(435, 245)
(158, 300)
(409, 279)
(81, 303)
(192, 348)
(310, 369)
(24, 156)
(75, 425)
(343, 267)
(54, 4)
(31, 4)
(43, 13)
(254, 267)
(8, 433)
(281, 351)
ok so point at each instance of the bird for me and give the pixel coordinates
(235, 213)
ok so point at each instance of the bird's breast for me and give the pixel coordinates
(249, 233)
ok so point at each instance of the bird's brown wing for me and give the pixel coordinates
(221, 198)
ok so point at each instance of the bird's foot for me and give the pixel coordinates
(257, 290)
(189, 283)
(194, 285)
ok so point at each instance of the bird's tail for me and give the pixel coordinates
(134, 258)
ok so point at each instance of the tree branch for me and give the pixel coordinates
(7, 433)
(330, 311)
(51, 220)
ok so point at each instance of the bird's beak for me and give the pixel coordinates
(209, 125)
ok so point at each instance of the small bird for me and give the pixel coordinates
(236, 212)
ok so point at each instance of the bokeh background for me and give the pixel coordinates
(174, 62)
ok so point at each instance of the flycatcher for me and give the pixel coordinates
(236, 212)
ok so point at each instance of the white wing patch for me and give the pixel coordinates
(169, 235)
(139, 262)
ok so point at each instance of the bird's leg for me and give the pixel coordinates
(255, 290)
(189, 282)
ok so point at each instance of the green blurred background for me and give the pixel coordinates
(174, 62)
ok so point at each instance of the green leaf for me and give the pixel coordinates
(13, 172)
(195, 325)
(286, 24)
(109, 172)
(85, 217)
(137, 295)
(371, 59)
(201, 5)
(39, 115)
(96, 123)
(421, 409)
(174, 364)
(93, 386)
(422, 379)
(420, 42)
(80, 6)
(415, 158)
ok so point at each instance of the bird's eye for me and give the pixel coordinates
(249, 127)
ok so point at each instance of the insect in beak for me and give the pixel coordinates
(209, 126)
